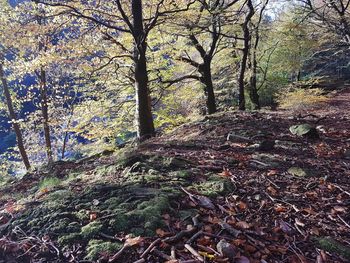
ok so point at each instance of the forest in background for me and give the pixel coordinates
(79, 77)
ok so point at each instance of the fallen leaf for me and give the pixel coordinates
(133, 241)
(242, 206)
(280, 209)
(272, 190)
(272, 172)
(93, 216)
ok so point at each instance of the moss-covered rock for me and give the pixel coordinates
(214, 186)
(96, 247)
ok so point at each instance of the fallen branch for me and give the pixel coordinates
(184, 233)
(194, 252)
(150, 247)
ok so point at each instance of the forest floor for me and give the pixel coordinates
(232, 187)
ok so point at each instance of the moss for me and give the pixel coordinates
(92, 229)
(69, 239)
(119, 223)
(59, 226)
(175, 163)
(149, 213)
(183, 174)
(129, 158)
(49, 182)
(106, 170)
(96, 247)
(60, 196)
(214, 186)
(332, 246)
(73, 227)
(82, 215)
(187, 214)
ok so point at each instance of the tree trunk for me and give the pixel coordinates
(206, 79)
(45, 114)
(13, 118)
(245, 51)
(144, 118)
(253, 93)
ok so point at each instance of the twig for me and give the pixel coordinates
(161, 254)
(279, 200)
(118, 254)
(183, 233)
(208, 249)
(194, 237)
(173, 252)
(343, 221)
(109, 237)
(230, 229)
(151, 246)
(341, 189)
(194, 252)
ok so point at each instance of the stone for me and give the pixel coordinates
(305, 130)
(297, 171)
(226, 250)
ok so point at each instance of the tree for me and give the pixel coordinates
(204, 29)
(114, 16)
(332, 14)
(245, 54)
(253, 63)
(13, 116)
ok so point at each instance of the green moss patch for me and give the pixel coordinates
(330, 245)
(96, 247)
(214, 186)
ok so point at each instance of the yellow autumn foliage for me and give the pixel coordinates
(300, 98)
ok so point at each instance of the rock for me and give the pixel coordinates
(297, 171)
(305, 130)
(267, 145)
(226, 250)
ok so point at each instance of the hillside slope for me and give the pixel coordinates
(233, 187)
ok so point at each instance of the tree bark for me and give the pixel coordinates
(245, 51)
(45, 114)
(43, 94)
(254, 95)
(13, 118)
(206, 79)
(144, 118)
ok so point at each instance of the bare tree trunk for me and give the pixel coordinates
(43, 94)
(253, 90)
(45, 114)
(206, 79)
(254, 95)
(144, 118)
(13, 118)
(245, 51)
